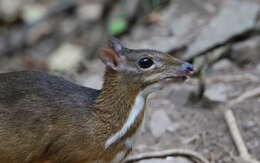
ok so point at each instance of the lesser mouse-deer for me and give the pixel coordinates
(47, 119)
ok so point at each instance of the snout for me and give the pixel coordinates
(180, 72)
(186, 68)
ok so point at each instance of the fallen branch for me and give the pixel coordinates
(166, 153)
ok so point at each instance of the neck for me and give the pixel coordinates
(121, 105)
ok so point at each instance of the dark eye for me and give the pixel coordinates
(145, 62)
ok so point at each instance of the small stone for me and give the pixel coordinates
(66, 58)
(159, 123)
(32, 13)
(90, 11)
(217, 92)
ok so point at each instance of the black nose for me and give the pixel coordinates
(187, 67)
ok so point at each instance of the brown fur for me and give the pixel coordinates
(40, 121)
(46, 119)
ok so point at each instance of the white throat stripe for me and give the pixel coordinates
(135, 111)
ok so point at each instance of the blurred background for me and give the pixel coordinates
(220, 37)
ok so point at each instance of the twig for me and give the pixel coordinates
(232, 78)
(232, 125)
(171, 152)
(244, 96)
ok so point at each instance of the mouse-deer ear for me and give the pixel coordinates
(112, 59)
(116, 45)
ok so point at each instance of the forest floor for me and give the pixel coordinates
(221, 38)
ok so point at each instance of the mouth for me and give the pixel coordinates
(179, 78)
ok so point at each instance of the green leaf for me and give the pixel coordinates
(117, 25)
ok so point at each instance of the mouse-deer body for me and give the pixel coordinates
(46, 119)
